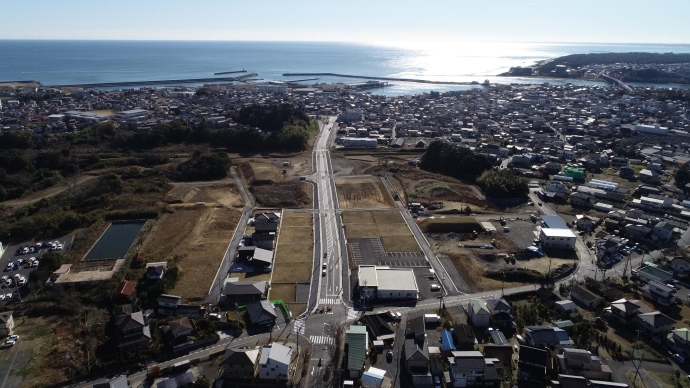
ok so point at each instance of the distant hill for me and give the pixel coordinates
(576, 60)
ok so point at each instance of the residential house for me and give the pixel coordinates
(626, 172)
(356, 349)
(545, 336)
(532, 364)
(680, 265)
(261, 312)
(639, 232)
(565, 306)
(464, 337)
(243, 292)
(156, 271)
(585, 297)
(584, 222)
(649, 176)
(131, 330)
(625, 311)
(660, 293)
(177, 332)
(415, 348)
(579, 362)
(190, 311)
(261, 259)
(264, 240)
(379, 326)
(240, 363)
(470, 369)
(547, 295)
(115, 382)
(579, 199)
(655, 324)
(181, 380)
(6, 323)
(168, 303)
(447, 344)
(500, 313)
(663, 230)
(679, 341)
(478, 313)
(275, 361)
(267, 222)
(649, 273)
(373, 377)
(124, 291)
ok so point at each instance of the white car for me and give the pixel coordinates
(8, 282)
(8, 344)
(14, 338)
(2, 296)
(8, 296)
(4, 278)
(21, 281)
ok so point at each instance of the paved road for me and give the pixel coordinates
(231, 251)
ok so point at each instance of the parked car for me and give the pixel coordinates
(214, 316)
(389, 355)
(13, 337)
(435, 287)
(8, 344)
(679, 358)
(8, 296)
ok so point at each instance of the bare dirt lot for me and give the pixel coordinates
(270, 188)
(196, 238)
(223, 194)
(389, 226)
(362, 192)
(474, 263)
(294, 255)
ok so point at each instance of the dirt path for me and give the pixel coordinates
(55, 190)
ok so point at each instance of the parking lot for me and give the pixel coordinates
(24, 269)
(522, 233)
(369, 251)
(425, 278)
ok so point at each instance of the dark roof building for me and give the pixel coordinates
(261, 312)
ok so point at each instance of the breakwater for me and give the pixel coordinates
(422, 81)
(158, 82)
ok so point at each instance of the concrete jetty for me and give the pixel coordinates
(158, 82)
(230, 72)
(423, 81)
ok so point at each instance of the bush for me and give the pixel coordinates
(459, 163)
(503, 184)
(203, 167)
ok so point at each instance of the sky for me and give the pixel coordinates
(372, 21)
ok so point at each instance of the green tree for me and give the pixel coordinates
(503, 184)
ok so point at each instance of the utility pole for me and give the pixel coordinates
(639, 360)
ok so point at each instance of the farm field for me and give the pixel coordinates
(389, 226)
(294, 257)
(362, 192)
(196, 239)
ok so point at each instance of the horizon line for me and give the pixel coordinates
(333, 41)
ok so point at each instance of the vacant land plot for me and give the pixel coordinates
(294, 255)
(362, 192)
(285, 194)
(450, 224)
(389, 226)
(213, 194)
(257, 173)
(196, 239)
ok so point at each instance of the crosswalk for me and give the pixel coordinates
(298, 327)
(329, 301)
(356, 253)
(321, 339)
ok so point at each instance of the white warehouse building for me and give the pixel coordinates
(359, 142)
(557, 238)
(386, 283)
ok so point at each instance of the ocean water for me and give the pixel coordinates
(75, 62)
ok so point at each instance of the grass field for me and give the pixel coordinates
(294, 253)
(389, 226)
(198, 238)
(362, 192)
